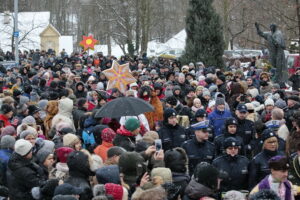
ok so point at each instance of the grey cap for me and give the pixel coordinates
(8, 142)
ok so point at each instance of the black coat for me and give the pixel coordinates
(83, 182)
(171, 136)
(22, 176)
(236, 170)
(181, 180)
(195, 191)
(259, 167)
(198, 152)
(126, 142)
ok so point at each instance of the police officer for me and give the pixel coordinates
(230, 130)
(245, 127)
(233, 166)
(199, 149)
(258, 167)
(171, 133)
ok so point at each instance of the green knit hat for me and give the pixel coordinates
(131, 124)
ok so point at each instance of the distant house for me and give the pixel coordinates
(50, 38)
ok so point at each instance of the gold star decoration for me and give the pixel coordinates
(119, 76)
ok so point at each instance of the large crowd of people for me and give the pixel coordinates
(215, 133)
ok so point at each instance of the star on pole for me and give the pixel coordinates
(119, 76)
(88, 42)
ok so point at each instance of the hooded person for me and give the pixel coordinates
(51, 111)
(176, 159)
(126, 134)
(80, 90)
(79, 171)
(204, 182)
(171, 133)
(65, 107)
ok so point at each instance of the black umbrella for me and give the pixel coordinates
(124, 106)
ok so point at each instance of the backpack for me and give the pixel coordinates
(88, 138)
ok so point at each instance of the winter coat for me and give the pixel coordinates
(292, 142)
(223, 89)
(65, 107)
(77, 115)
(22, 176)
(79, 171)
(52, 110)
(157, 114)
(195, 191)
(217, 120)
(61, 171)
(198, 152)
(295, 79)
(5, 120)
(101, 150)
(246, 130)
(259, 167)
(171, 136)
(125, 139)
(294, 170)
(289, 113)
(236, 169)
(181, 180)
(5, 155)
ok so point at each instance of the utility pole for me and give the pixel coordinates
(16, 32)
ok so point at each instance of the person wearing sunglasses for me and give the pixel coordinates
(233, 166)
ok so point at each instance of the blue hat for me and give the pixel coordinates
(267, 133)
(273, 124)
(242, 108)
(201, 125)
(200, 113)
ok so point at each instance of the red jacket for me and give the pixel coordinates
(5, 120)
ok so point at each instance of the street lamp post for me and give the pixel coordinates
(16, 33)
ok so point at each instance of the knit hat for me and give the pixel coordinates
(267, 133)
(42, 104)
(164, 173)
(250, 106)
(23, 100)
(171, 100)
(280, 104)
(169, 112)
(67, 189)
(29, 120)
(132, 124)
(7, 142)
(108, 174)
(16, 92)
(114, 190)
(62, 153)
(23, 147)
(108, 135)
(231, 142)
(176, 160)
(69, 140)
(206, 93)
(5, 108)
(220, 101)
(222, 78)
(231, 121)
(42, 155)
(34, 97)
(8, 130)
(269, 102)
(264, 194)
(27, 132)
(207, 175)
(150, 136)
(234, 195)
(279, 163)
(131, 164)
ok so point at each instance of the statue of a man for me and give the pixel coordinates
(276, 48)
